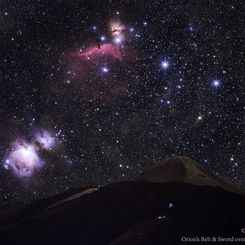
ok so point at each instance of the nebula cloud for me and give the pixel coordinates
(45, 139)
(95, 72)
(117, 30)
(23, 159)
(105, 50)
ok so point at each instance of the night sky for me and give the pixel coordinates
(94, 92)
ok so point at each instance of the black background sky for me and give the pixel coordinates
(111, 125)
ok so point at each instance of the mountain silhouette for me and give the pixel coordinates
(173, 201)
(185, 170)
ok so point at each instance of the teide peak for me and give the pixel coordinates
(175, 201)
(185, 170)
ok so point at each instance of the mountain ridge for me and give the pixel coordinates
(135, 212)
(183, 169)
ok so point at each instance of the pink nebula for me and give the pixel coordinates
(105, 50)
(102, 73)
(23, 159)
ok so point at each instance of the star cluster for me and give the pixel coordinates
(96, 91)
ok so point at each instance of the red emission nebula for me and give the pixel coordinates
(109, 50)
(103, 73)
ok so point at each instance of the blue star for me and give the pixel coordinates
(102, 38)
(216, 83)
(165, 64)
(117, 40)
(104, 69)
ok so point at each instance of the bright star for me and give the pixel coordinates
(117, 40)
(199, 118)
(216, 83)
(102, 38)
(165, 64)
(105, 69)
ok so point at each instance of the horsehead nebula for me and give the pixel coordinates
(108, 50)
(23, 159)
(106, 72)
(101, 73)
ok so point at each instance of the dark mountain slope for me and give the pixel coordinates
(133, 212)
(185, 170)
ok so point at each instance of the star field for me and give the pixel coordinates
(96, 91)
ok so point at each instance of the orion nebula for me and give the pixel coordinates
(23, 159)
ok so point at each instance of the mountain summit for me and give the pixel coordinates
(185, 170)
(175, 201)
